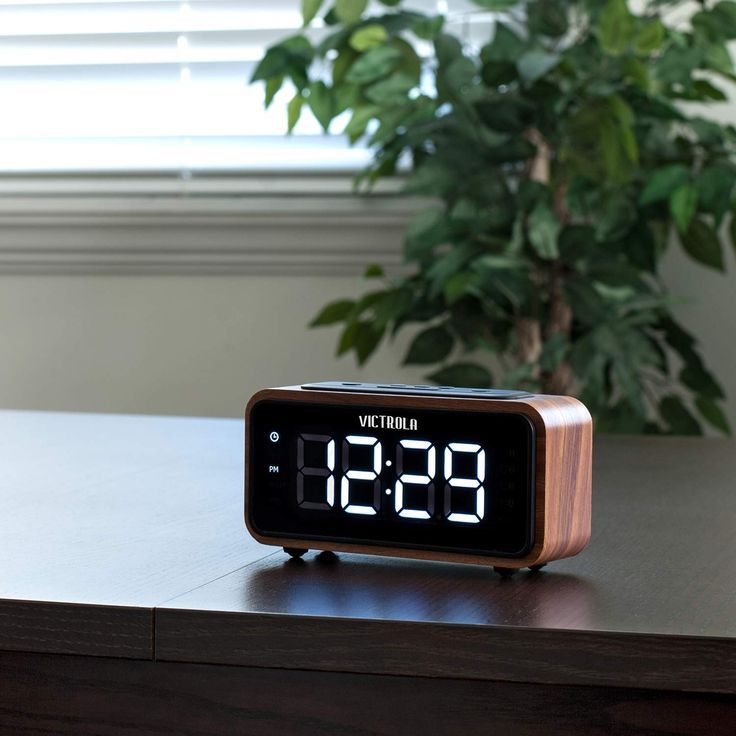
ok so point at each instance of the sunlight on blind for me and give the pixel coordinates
(151, 85)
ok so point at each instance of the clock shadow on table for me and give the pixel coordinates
(357, 586)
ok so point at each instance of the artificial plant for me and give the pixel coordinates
(560, 160)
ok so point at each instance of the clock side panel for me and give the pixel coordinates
(296, 393)
(568, 478)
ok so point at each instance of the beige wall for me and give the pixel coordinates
(203, 344)
(707, 307)
(169, 345)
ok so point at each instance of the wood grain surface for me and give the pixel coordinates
(112, 528)
(112, 514)
(83, 696)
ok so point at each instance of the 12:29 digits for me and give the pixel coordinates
(473, 507)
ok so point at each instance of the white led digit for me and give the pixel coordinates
(414, 479)
(473, 484)
(325, 472)
(353, 474)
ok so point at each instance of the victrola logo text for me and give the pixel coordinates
(387, 422)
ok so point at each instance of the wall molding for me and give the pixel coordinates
(251, 225)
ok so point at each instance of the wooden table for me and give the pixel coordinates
(133, 601)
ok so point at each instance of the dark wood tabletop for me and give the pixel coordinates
(124, 560)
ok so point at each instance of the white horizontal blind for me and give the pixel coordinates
(152, 85)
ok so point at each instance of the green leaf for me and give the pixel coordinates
(713, 414)
(334, 312)
(544, 228)
(366, 339)
(445, 265)
(704, 90)
(701, 244)
(347, 338)
(294, 111)
(310, 8)
(374, 271)
(718, 58)
(576, 241)
(495, 4)
(447, 48)
(468, 375)
(724, 14)
(428, 28)
(298, 47)
(505, 46)
(625, 118)
(599, 141)
(393, 306)
(649, 37)
(715, 184)
(536, 63)
(619, 419)
(273, 85)
(683, 202)
(426, 229)
(662, 182)
(460, 285)
(359, 121)
(345, 59)
(272, 64)
(627, 377)
(637, 73)
(619, 216)
(368, 37)
(678, 418)
(349, 11)
(459, 74)
(322, 103)
(429, 346)
(696, 377)
(554, 351)
(677, 63)
(373, 65)
(548, 18)
(393, 90)
(615, 27)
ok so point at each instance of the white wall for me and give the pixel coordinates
(169, 345)
(203, 344)
(93, 317)
(706, 306)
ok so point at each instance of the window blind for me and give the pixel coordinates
(153, 85)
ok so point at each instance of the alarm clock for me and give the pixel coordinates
(481, 476)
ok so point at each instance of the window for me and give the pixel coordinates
(159, 86)
(148, 86)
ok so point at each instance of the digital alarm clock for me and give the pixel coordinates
(481, 476)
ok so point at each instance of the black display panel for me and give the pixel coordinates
(420, 478)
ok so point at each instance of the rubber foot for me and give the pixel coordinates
(505, 572)
(295, 552)
(327, 557)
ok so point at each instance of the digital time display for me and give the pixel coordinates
(419, 478)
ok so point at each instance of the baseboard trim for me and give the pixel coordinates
(300, 226)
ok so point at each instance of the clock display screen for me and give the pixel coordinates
(401, 477)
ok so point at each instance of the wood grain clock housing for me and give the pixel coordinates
(490, 477)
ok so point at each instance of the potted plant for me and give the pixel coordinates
(561, 159)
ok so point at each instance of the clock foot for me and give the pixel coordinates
(537, 568)
(295, 552)
(327, 557)
(505, 572)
